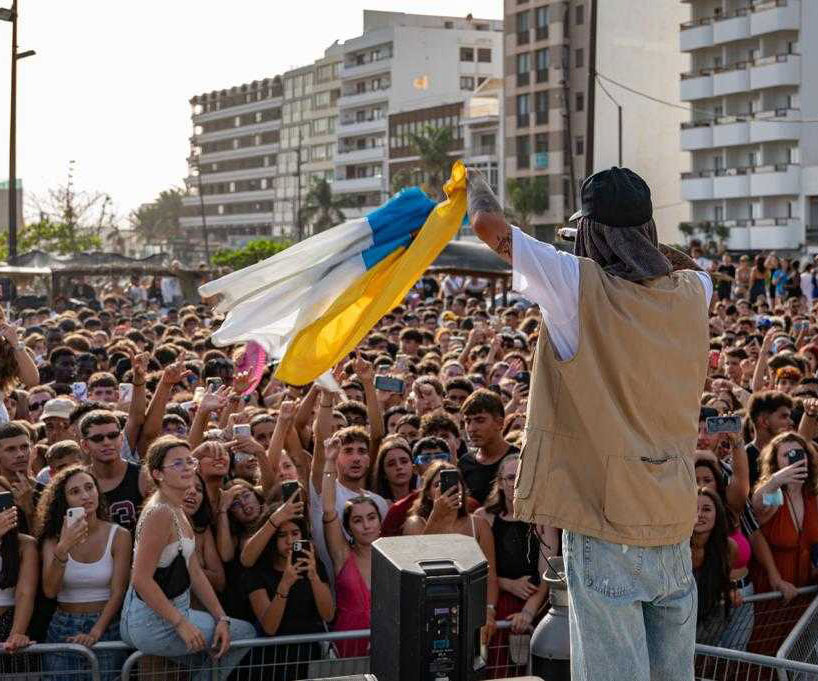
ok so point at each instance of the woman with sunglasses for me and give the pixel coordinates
(86, 562)
(393, 476)
(351, 558)
(521, 549)
(785, 500)
(157, 618)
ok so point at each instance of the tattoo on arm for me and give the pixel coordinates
(503, 246)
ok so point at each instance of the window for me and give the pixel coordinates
(523, 152)
(522, 28)
(541, 22)
(466, 82)
(540, 143)
(541, 64)
(523, 68)
(484, 55)
(541, 106)
(448, 24)
(580, 146)
(579, 15)
(580, 102)
(579, 58)
(466, 54)
(523, 109)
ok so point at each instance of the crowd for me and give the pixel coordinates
(150, 493)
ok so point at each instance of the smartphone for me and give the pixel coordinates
(800, 325)
(214, 383)
(73, 514)
(390, 384)
(198, 394)
(6, 501)
(813, 555)
(242, 457)
(289, 488)
(449, 478)
(125, 392)
(523, 377)
(189, 406)
(402, 362)
(241, 430)
(80, 391)
(724, 424)
(714, 358)
(796, 455)
(300, 548)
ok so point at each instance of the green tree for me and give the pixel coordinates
(321, 208)
(56, 237)
(528, 196)
(254, 251)
(722, 232)
(158, 221)
(688, 229)
(433, 145)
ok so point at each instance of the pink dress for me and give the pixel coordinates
(353, 601)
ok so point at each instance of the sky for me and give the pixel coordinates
(110, 85)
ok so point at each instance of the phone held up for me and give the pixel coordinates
(300, 548)
(723, 424)
(6, 501)
(390, 384)
(288, 488)
(73, 514)
(448, 478)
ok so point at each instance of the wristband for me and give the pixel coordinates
(281, 595)
(138, 385)
(334, 516)
(62, 561)
(223, 618)
(271, 523)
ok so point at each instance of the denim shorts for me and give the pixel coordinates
(66, 666)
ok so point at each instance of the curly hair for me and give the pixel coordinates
(53, 504)
(769, 460)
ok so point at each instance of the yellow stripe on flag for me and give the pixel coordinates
(321, 345)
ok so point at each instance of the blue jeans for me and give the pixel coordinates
(143, 629)
(631, 610)
(69, 666)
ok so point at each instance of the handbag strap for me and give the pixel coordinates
(154, 507)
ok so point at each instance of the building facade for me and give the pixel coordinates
(753, 179)
(233, 160)
(563, 60)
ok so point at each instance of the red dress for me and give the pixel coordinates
(353, 603)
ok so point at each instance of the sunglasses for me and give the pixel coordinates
(101, 437)
(181, 464)
(425, 459)
(35, 406)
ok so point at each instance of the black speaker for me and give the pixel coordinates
(428, 604)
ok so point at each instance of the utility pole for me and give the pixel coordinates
(591, 103)
(11, 15)
(299, 228)
(566, 95)
(202, 210)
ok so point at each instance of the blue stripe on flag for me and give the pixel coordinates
(374, 254)
(402, 214)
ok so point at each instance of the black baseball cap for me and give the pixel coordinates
(617, 198)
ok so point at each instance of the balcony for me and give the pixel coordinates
(523, 37)
(238, 197)
(231, 111)
(523, 120)
(353, 213)
(363, 98)
(228, 154)
(696, 34)
(542, 75)
(766, 234)
(349, 128)
(731, 183)
(781, 179)
(731, 79)
(696, 136)
(368, 69)
(358, 184)
(697, 186)
(541, 117)
(812, 235)
(776, 15)
(523, 78)
(359, 155)
(227, 220)
(237, 131)
(229, 175)
(732, 26)
(541, 33)
(698, 85)
(775, 71)
(481, 151)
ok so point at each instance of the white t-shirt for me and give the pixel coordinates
(342, 495)
(806, 286)
(550, 278)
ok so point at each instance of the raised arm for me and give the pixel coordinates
(139, 400)
(322, 431)
(334, 536)
(486, 216)
(173, 374)
(366, 373)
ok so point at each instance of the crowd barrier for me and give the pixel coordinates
(281, 658)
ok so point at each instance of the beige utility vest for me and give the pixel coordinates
(611, 432)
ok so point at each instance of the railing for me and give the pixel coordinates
(781, 112)
(523, 120)
(523, 36)
(523, 78)
(738, 170)
(282, 657)
(739, 65)
(741, 11)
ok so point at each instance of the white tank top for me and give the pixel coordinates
(6, 595)
(89, 582)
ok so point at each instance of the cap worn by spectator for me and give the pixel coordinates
(59, 408)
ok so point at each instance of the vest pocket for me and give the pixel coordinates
(651, 490)
(527, 470)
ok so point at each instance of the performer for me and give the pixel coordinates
(612, 423)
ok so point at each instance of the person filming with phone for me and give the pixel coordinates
(86, 563)
(608, 453)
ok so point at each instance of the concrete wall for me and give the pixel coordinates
(638, 45)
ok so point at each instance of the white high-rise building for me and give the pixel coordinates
(422, 66)
(753, 130)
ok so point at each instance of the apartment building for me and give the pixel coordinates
(564, 117)
(232, 163)
(404, 72)
(753, 178)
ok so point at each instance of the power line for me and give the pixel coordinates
(708, 114)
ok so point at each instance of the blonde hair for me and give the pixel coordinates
(769, 461)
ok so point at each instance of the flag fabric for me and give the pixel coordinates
(312, 303)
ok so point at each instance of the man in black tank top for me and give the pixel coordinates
(122, 482)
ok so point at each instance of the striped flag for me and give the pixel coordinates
(314, 302)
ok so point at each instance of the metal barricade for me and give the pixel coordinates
(28, 663)
(802, 641)
(721, 664)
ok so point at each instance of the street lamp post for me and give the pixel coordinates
(11, 15)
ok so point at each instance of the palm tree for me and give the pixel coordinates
(528, 196)
(159, 221)
(432, 145)
(688, 229)
(321, 208)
